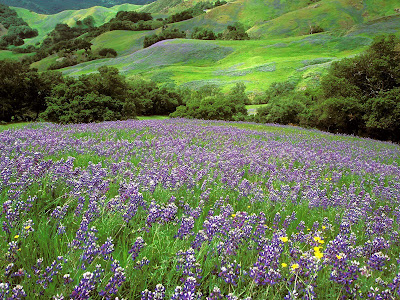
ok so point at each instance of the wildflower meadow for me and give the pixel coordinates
(188, 209)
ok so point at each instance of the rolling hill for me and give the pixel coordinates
(46, 23)
(280, 48)
(56, 6)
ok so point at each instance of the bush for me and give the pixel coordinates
(367, 75)
(315, 29)
(282, 111)
(108, 52)
(165, 35)
(203, 34)
(383, 115)
(234, 32)
(210, 104)
(278, 89)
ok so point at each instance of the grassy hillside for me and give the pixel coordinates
(123, 41)
(282, 48)
(46, 23)
(56, 6)
(330, 15)
(257, 63)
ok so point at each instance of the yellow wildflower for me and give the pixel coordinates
(284, 265)
(339, 256)
(233, 215)
(27, 227)
(323, 227)
(318, 239)
(318, 254)
(316, 249)
(295, 266)
(17, 236)
(284, 239)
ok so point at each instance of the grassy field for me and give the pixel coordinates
(282, 49)
(6, 54)
(160, 208)
(46, 23)
(257, 63)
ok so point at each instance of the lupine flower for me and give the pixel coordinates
(137, 247)
(115, 281)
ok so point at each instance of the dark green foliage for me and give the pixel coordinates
(26, 94)
(219, 3)
(234, 32)
(28, 49)
(18, 29)
(367, 75)
(343, 115)
(190, 13)
(107, 96)
(383, 115)
(315, 29)
(359, 95)
(153, 100)
(133, 16)
(164, 35)
(283, 110)
(23, 31)
(278, 89)
(203, 34)
(95, 97)
(9, 17)
(108, 52)
(181, 16)
(88, 21)
(210, 104)
(23, 91)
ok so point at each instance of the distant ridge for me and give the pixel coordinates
(56, 6)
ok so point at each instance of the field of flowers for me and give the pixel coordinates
(179, 209)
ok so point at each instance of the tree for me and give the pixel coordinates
(367, 75)
(23, 91)
(234, 32)
(383, 115)
(203, 34)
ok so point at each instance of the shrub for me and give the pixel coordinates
(165, 35)
(234, 32)
(108, 52)
(203, 34)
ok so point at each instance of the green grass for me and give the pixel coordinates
(123, 41)
(46, 23)
(295, 160)
(6, 54)
(257, 63)
(280, 51)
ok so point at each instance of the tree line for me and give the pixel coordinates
(17, 28)
(359, 95)
(27, 95)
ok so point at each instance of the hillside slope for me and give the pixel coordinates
(330, 15)
(281, 48)
(257, 63)
(56, 6)
(46, 23)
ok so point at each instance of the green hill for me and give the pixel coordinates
(46, 23)
(56, 6)
(257, 63)
(281, 46)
